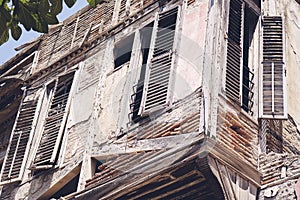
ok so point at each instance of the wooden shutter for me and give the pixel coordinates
(159, 69)
(47, 152)
(122, 11)
(234, 51)
(273, 74)
(16, 155)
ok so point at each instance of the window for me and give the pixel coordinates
(243, 18)
(122, 51)
(136, 98)
(54, 126)
(28, 63)
(158, 77)
(273, 70)
(15, 159)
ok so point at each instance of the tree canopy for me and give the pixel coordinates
(32, 14)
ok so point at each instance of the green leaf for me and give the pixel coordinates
(92, 3)
(40, 24)
(16, 31)
(70, 3)
(5, 14)
(24, 16)
(4, 36)
(43, 6)
(56, 6)
(51, 19)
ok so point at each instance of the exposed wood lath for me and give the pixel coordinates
(167, 122)
(173, 174)
(238, 133)
(277, 169)
(271, 130)
(291, 136)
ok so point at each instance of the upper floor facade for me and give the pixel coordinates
(131, 77)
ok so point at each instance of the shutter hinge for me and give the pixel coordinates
(285, 72)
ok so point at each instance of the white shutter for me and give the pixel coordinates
(159, 68)
(16, 155)
(273, 70)
(234, 51)
(54, 125)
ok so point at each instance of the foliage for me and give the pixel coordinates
(32, 14)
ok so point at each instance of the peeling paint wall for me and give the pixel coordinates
(100, 101)
(99, 124)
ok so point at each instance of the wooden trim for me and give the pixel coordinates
(147, 73)
(253, 7)
(68, 106)
(61, 182)
(166, 142)
(174, 61)
(234, 161)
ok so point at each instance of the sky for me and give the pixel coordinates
(7, 49)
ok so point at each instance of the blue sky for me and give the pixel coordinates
(7, 50)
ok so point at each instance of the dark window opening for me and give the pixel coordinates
(257, 2)
(122, 51)
(69, 188)
(146, 34)
(250, 22)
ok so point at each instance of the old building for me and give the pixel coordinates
(147, 99)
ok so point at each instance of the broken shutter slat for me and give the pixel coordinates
(16, 155)
(234, 51)
(54, 123)
(273, 75)
(159, 68)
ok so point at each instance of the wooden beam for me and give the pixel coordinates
(166, 142)
(60, 183)
(234, 161)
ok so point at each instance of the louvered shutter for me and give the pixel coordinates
(16, 155)
(122, 11)
(159, 69)
(273, 75)
(234, 51)
(54, 124)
